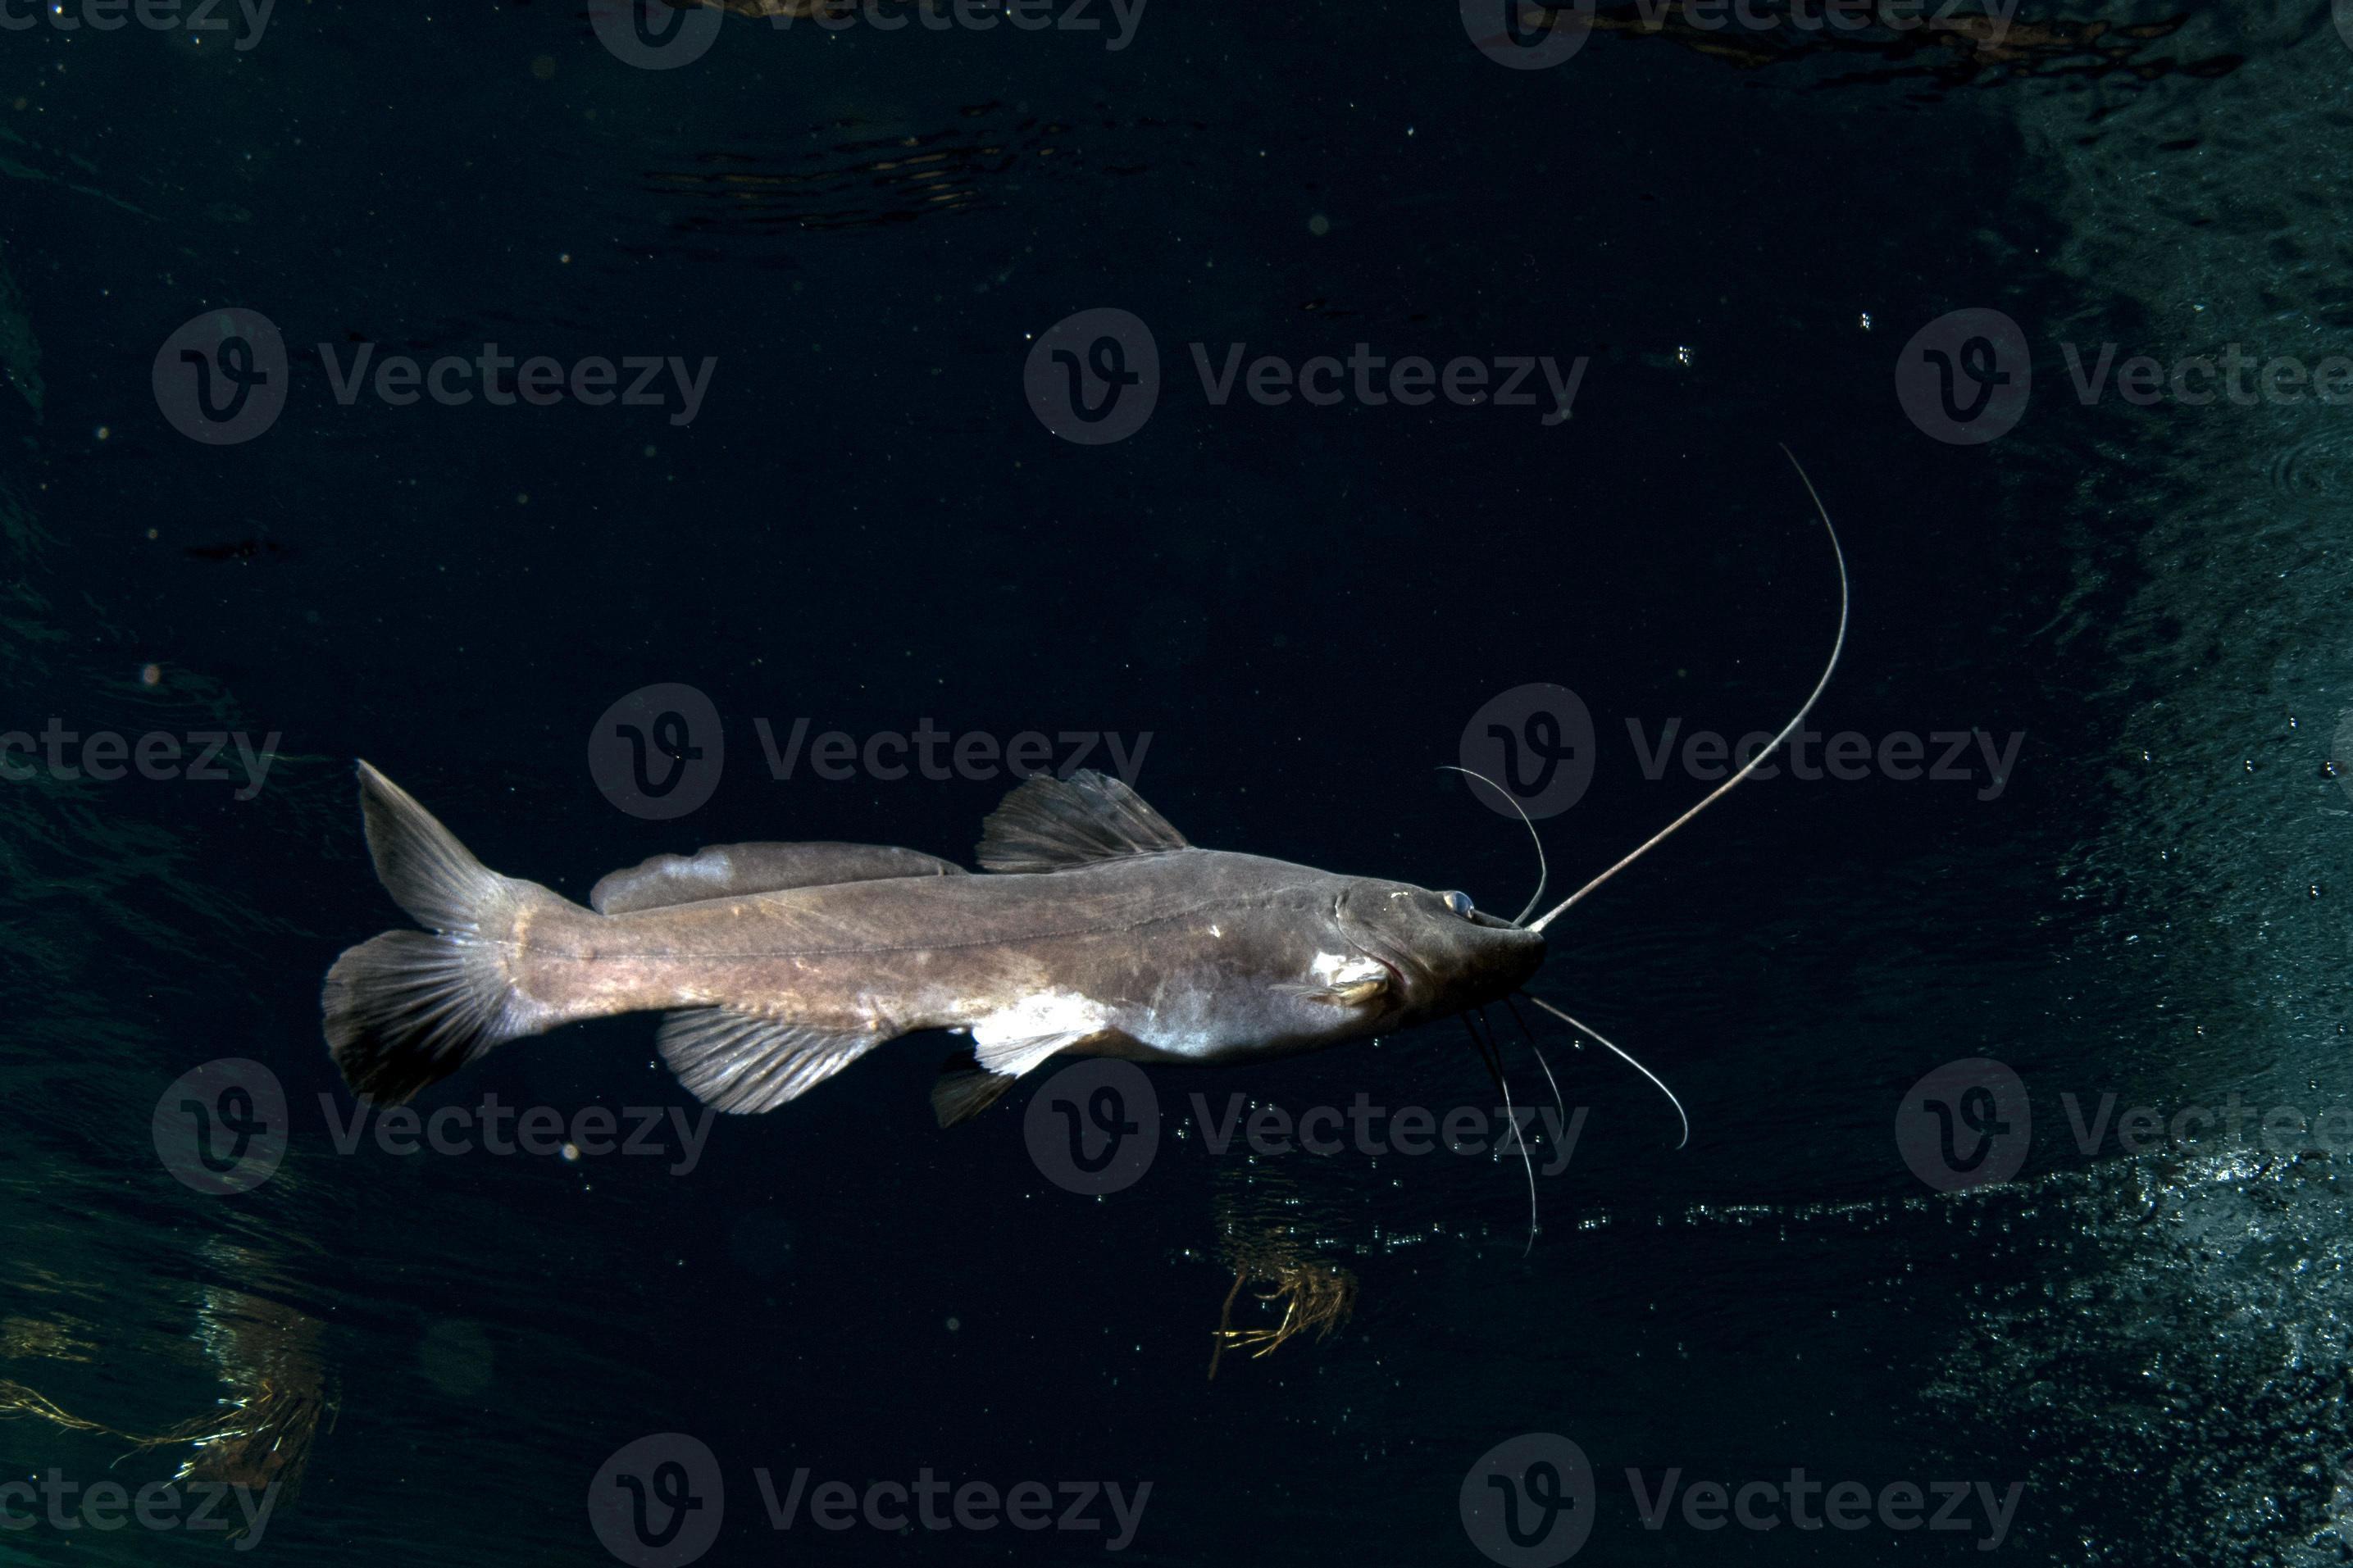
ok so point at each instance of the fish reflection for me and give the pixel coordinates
(258, 1438)
(1264, 1239)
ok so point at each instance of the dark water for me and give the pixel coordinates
(863, 523)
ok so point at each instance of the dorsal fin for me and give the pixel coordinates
(734, 870)
(1049, 825)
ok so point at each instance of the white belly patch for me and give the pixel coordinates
(1016, 1038)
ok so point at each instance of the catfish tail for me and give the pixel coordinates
(407, 1009)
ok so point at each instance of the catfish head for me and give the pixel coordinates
(1443, 954)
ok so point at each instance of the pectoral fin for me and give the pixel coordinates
(1352, 993)
(1341, 980)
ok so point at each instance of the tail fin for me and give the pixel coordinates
(405, 1009)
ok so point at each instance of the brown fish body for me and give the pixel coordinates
(1104, 933)
(1184, 954)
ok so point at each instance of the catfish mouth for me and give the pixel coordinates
(1437, 961)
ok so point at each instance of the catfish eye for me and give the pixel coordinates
(1458, 902)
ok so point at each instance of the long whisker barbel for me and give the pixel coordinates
(1602, 1040)
(1751, 766)
(1494, 1058)
(1543, 872)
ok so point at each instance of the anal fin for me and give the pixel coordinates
(747, 1062)
(964, 1088)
